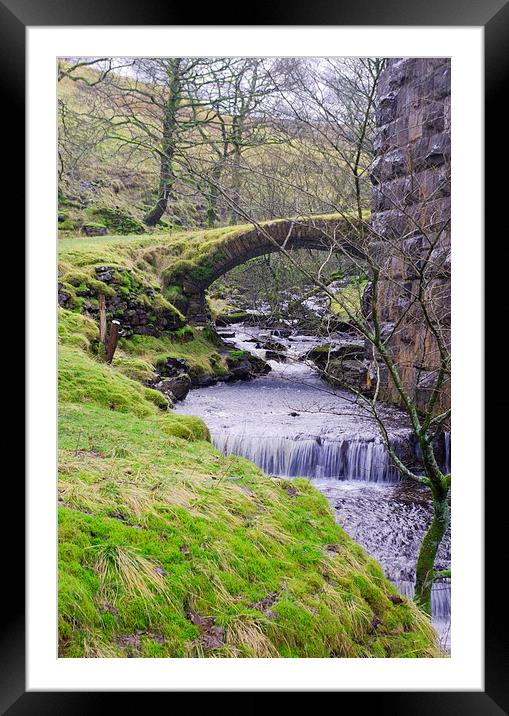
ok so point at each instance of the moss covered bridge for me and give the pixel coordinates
(211, 255)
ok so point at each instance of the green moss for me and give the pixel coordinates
(233, 317)
(187, 427)
(193, 345)
(81, 379)
(67, 225)
(183, 335)
(157, 398)
(76, 330)
(176, 295)
(134, 368)
(95, 225)
(347, 303)
(81, 281)
(115, 220)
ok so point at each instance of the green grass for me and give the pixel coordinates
(200, 352)
(164, 543)
(155, 526)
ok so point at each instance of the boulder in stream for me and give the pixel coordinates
(175, 388)
(323, 354)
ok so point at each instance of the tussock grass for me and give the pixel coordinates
(126, 569)
(247, 638)
(95, 648)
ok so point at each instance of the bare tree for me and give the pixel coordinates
(152, 115)
(237, 101)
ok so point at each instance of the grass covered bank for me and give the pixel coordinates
(169, 549)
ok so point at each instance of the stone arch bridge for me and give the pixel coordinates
(209, 258)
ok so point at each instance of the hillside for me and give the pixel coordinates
(166, 547)
(109, 162)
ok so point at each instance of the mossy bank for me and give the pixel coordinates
(169, 549)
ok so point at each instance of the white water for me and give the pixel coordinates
(311, 457)
(291, 423)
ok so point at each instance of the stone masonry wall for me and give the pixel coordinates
(411, 215)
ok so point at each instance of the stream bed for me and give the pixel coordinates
(291, 423)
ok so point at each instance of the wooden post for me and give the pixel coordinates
(102, 319)
(112, 340)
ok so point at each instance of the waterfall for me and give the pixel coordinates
(442, 446)
(312, 457)
(447, 452)
(440, 606)
(440, 596)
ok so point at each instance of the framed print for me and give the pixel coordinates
(254, 266)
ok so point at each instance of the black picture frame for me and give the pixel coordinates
(493, 15)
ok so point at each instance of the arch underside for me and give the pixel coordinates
(243, 249)
(331, 234)
(266, 249)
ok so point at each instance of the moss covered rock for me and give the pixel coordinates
(115, 220)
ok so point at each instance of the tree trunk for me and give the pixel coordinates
(429, 548)
(155, 214)
(168, 144)
(213, 197)
(235, 173)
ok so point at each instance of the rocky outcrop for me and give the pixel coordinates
(322, 354)
(411, 215)
(274, 350)
(244, 366)
(173, 379)
(176, 376)
(343, 365)
(139, 308)
(94, 230)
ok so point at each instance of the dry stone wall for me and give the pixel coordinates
(411, 218)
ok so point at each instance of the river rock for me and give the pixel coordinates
(246, 366)
(341, 326)
(239, 368)
(282, 332)
(227, 319)
(323, 354)
(174, 388)
(173, 367)
(203, 381)
(258, 366)
(275, 355)
(350, 374)
(343, 365)
(272, 345)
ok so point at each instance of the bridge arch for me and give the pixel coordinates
(211, 259)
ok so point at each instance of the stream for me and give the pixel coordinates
(292, 423)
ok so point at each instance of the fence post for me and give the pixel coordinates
(112, 340)
(102, 319)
